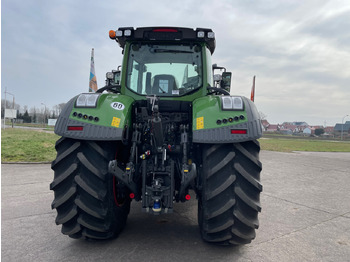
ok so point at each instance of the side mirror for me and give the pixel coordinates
(226, 81)
(113, 78)
(117, 75)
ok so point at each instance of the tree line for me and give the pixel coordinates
(33, 114)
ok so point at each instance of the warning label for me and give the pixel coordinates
(200, 122)
(115, 122)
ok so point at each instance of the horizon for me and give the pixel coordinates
(299, 52)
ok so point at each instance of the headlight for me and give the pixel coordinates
(232, 103)
(119, 33)
(109, 75)
(87, 100)
(211, 35)
(226, 103)
(200, 34)
(127, 32)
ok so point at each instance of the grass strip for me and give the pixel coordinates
(312, 145)
(22, 145)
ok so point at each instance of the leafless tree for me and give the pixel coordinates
(263, 116)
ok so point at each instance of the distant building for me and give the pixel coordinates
(329, 130)
(265, 124)
(294, 127)
(300, 123)
(309, 130)
(286, 131)
(345, 127)
(273, 128)
(302, 128)
(317, 127)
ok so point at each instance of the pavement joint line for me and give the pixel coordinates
(317, 168)
(32, 183)
(128, 253)
(317, 209)
(300, 229)
(27, 216)
(344, 215)
(33, 194)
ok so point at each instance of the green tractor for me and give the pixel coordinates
(162, 128)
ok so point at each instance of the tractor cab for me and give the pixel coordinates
(166, 62)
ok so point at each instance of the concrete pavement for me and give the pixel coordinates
(305, 217)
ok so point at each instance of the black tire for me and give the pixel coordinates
(229, 201)
(85, 193)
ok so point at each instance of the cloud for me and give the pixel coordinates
(299, 51)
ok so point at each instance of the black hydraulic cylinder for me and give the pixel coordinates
(158, 131)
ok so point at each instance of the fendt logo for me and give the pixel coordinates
(117, 106)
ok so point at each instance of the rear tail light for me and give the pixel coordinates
(75, 128)
(239, 131)
(165, 30)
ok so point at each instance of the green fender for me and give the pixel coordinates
(213, 124)
(108, 119)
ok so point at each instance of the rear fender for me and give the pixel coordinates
(213, 124)
(108, 120)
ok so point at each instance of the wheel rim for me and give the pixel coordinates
(117, 200)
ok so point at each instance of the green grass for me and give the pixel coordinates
(23, 145)
(294, 144)
(38, 125)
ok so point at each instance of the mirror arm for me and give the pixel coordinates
(217, 90)
(113, 88)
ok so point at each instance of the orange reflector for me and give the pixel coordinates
(112, 34)
(132, 195)
(75, 128)
(187, 197)
(239, 131)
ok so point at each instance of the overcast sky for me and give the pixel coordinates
(298, 50)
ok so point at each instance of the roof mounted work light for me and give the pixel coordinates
(127, 32)
(124, 34)
(200, 34)
(211, 35)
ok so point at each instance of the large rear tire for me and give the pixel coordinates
(229, 200)
(85, 196)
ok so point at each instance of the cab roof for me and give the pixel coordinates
(164, 34)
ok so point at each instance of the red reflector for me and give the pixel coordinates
(165, 30)
(239, 131)
(187, 197)
(75, 128)
(132, 195)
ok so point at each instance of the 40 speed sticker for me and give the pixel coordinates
(117, 106)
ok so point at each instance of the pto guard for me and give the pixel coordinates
(109, 119)
(212, 124)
